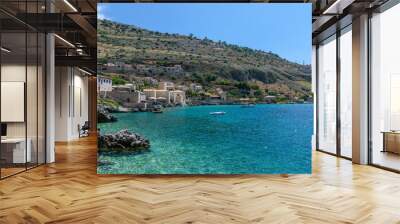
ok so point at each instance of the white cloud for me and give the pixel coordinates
(101, 9)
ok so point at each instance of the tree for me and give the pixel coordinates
(210, 77)
(258, 93)
(102, 61)
(116, 80)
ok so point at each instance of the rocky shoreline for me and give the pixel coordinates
(204, 103)
(104, 115)
(123, 140)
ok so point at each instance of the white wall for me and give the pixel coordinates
(71, 102)
(10, 73)
(80, 112)
(62, 82)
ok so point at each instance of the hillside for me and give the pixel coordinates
(239, 71)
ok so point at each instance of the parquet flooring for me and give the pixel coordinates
(70, 191)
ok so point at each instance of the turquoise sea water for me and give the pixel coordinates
(267, 139)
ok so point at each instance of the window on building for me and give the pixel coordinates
(385, 88)
(327, 95)
(346, 92)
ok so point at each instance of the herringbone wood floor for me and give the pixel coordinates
(70, 191)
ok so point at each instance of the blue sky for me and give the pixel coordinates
(284, 29)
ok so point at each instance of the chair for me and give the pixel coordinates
(84, 130)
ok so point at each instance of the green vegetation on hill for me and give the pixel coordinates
(107, 102)
(239, 71)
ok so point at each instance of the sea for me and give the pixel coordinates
(263, 139)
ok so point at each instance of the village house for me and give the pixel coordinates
(182, 87)
(196, 87)
(270, 99)
(139, 97)
(166, 86)
(178, 97)
(109, 64)
(104, 85)
(166, 93)
(127, 95)
(150, 80)
(157, 95)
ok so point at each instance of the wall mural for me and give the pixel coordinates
(204, 88)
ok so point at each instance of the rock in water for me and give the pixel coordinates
(122, 141)
(103, 116)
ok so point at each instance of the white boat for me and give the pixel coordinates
(218, 113)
